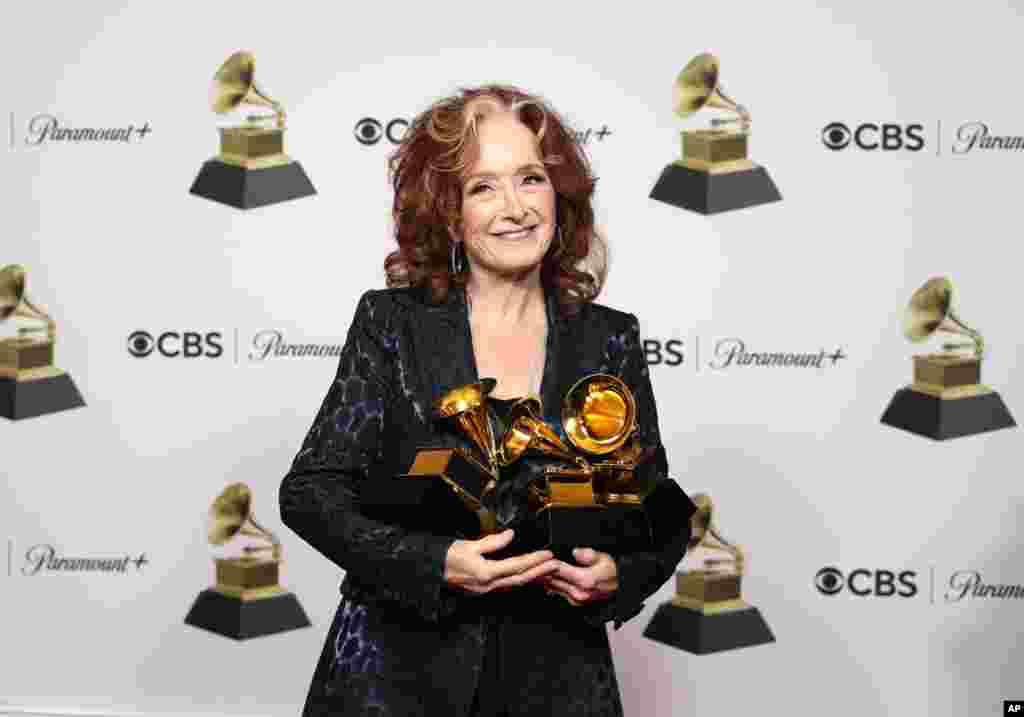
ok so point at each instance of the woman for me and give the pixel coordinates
(493, 220)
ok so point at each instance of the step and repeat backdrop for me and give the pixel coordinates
(828, 285)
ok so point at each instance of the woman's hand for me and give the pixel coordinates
(596, 580)
(467, 569)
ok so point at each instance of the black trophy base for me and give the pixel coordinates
(701, 634)
(941, 420)
(425, 504)
(250, 188)
(242, 619)
(38, 397)
(617, 529)
(710, 193)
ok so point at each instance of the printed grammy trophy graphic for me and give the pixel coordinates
(714, 174)
(707, 613)
(252, 169)
(246, 600)
(30, 385)
(946, 399)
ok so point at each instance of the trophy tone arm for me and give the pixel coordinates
(319, 495)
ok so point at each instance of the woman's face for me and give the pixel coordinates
(508, 203)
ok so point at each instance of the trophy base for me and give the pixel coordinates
(710, 192)
(241, 619)
(250, 188)
(38, 396)
(701, 634)
(616, 529)
(942, 419)
(426, 504)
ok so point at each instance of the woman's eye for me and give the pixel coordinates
(538, 178)
(476, 189)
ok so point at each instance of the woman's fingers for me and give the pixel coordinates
(515, 565)
(545, 568)
(568, 589)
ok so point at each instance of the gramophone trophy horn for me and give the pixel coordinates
(707, 613)
(30, 385)
(467, 405)
(252, 169)
(713, 174)
(234, 85)
(931, 310)
(599, 414)
(946, 399)
(697, 87)
(231, 515)
(526, 430)
(247, 599)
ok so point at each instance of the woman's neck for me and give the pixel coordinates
(497, 300)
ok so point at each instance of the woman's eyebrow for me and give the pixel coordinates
(532, 167)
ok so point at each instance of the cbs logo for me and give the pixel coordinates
(172, 344)
(668, 353)
(863, 582)
(369, 131)
(870, 136)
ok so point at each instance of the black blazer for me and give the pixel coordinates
(403, 642)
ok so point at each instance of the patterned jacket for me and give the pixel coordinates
(403, 642)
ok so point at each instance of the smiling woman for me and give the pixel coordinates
(497, 266)
(466, 156)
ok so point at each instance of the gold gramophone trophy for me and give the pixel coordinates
(246, 600)
(714, 174)
(252, 169)
(707, 613)
(946, 399)
(30, 385)
(590, 497)
(444, 488)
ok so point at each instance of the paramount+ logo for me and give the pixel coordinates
(176, 344)
(864, 582)
(874, 136)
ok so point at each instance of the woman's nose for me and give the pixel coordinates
(514, 207)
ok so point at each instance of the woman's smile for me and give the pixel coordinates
(525, 233)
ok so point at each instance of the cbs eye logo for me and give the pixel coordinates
(863, 582)
(174, 344)
(369, 131)
(869, 136)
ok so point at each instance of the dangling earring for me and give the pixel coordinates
(456, 261)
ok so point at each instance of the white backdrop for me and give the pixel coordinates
(801, 471)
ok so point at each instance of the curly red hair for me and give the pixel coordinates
(425, 172)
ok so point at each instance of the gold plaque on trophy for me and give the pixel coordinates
(708, 614)
(30, 385)
(713, 173)
(252, 169)
(946, 398)
(247, 599)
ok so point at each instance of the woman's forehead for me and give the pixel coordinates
(504, 144)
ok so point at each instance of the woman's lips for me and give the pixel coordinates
(518, 234)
